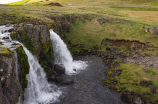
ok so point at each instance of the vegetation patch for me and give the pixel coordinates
(24, 66)
(96, 30)
(134, 78)
(5, 51)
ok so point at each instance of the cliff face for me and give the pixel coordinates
(37, 39)
(10, 88)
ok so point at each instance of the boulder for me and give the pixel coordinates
(67, 82)
(10, 30)
(5, 38)
(145, 82)
(152, 89)
(126, 96)
(108, 49)
(52, 78)
(138, 100)
(153, 31)
(58, 79)
(59, 69)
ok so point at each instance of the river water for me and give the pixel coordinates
(87, 88)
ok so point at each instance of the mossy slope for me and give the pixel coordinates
(23, 66)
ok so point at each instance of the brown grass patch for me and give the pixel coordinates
(148, 16)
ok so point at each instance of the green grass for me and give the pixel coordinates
(5, 52)
(130, 79)
(93, 33)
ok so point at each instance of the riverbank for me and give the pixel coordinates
(134, 75)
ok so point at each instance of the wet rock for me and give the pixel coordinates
(37, 39)
(52, 78)
(145, 82)
(10, 88)
(1, 43)
(59, 69)
(15, 44)
(11, 30)
(58, 79)
(138, 100)
(67, 82)
(5, 38)
(126, 96)
(152, 89)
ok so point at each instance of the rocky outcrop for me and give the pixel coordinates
(153, 31)
(59, 69)
(10, 88)
(37, 39)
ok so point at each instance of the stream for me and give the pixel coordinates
(87, 88)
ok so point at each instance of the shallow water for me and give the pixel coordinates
(87, 88)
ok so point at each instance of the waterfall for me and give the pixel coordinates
(38, 90)
(16, 65)
(63, 56)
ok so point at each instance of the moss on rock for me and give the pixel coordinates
(14, 36)
(23, 66)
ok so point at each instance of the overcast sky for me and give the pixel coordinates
(7, 1)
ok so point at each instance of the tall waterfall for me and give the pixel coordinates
(38, 90)
(63, 56)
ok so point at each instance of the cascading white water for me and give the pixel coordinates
(63, 56)
(38, 90)
(16, 65)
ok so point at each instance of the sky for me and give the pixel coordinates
(7, 1)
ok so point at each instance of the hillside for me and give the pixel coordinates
(123, 33)
(89, 2)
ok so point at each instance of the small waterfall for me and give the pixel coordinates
(16, 65)
(38, 90)
(62, 55)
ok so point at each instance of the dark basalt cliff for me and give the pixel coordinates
(10, 88)
(37, 39)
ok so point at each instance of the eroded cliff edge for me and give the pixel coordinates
(10, 88)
